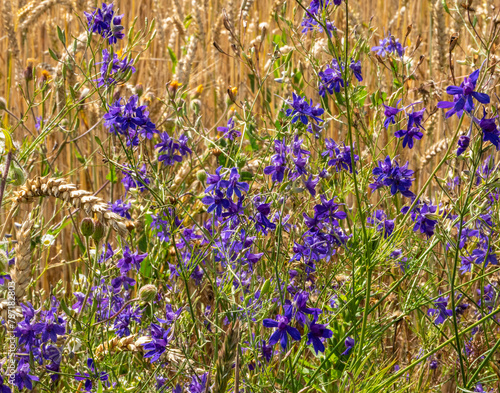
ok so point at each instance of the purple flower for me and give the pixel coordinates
(310, 185)
(124, 281)
(463, 95)
(216, 202)
(379, 219)
(299, 308)
(171, 149)
(356, 69)
(229, 131)
(389, 45)
(441, 311)
(262, 222)
(316, 334)
(491, 133)
(390, 114)
(331, 79)
(130, 259)
(22, 378)
(278, 160)
(267, 351)
(104, 22)
(349, 345)
(170, 315)
(314, 13)
(413, 129)
(51, 327)
(480, 256)
(135, 178)
(283, 329)
(197, 384)
(130, 120)
(425, 218)
(113, 67)
(463, 144)
(158, 344)
(479, 388)
(164, 222)
(122, 322)
(233, 185)
(389, 174)
(303, 110)
(4, 388)
(93, 375)
(121, 208)
(340, 156)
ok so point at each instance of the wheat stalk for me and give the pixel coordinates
(225, 360)
(61, 189)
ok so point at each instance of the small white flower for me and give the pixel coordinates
(48, 240)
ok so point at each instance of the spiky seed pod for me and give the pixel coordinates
(226, 358)
(61, 189)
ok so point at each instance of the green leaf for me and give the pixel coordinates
(53, 55)
(173, 58)
(61, 35)
(445, 6)
(79, 243)
(111, 176)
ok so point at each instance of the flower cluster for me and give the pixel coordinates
(113, 68)
(104, 22)
(389, 45)
(303, 110)
(388, 173)
(130, 120)
(331, 78)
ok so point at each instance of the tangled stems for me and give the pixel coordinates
(443, 345)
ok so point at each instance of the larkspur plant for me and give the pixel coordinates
(300, 203)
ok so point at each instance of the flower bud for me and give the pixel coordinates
(3, 104)
(17, 175)
(147, 292)
(99, 230)
(139, 89)
(201, 175)
(87, 227)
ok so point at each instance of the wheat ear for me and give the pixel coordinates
(433, 151)
(61, 189)
(225, 360)
(27, 15)
(20, 273)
